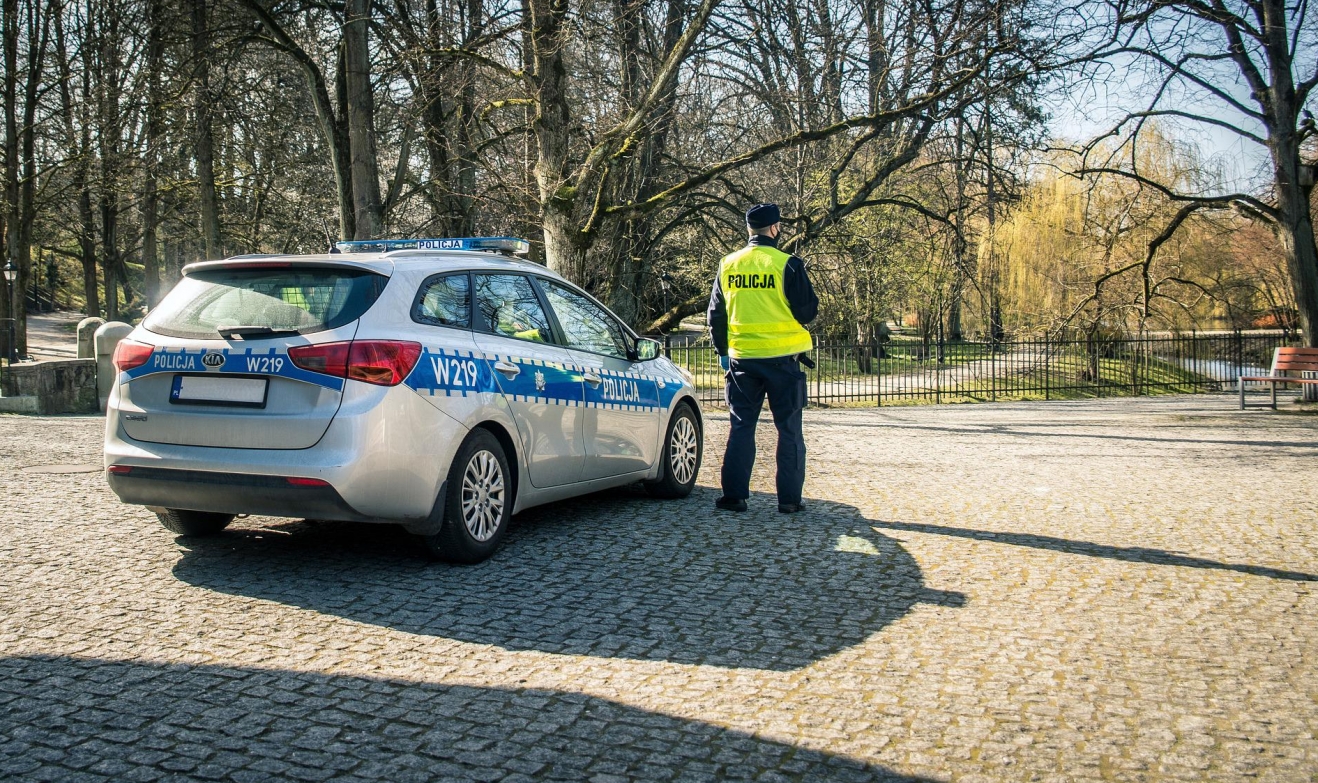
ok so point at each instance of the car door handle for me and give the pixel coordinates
(507, 368)
(592, 378)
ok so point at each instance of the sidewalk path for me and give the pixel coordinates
(53, 335)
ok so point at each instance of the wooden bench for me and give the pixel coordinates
(1283, 360)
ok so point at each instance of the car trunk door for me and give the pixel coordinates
(219, 373)
(230, 394)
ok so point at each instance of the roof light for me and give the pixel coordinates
(497, 244)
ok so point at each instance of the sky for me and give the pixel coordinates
(1126, 83)
(1081, 115)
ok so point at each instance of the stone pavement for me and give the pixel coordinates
(1115, 589)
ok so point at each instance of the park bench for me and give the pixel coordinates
(1283, 360)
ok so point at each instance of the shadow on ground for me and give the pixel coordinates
(63, 718)
(1057, 430)
(609, 575)
(1129, 554)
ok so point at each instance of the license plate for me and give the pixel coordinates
(215, 390)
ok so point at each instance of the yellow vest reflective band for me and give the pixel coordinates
(760, 322)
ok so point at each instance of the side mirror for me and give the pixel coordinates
(647, 349)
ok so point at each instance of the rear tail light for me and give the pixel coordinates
(381, 362)
(129, 354)
(327, 358)
(120, 470)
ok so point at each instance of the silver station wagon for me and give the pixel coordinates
(440, 384)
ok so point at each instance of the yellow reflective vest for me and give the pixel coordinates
(760, 322)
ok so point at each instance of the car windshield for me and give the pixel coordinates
(261, 302)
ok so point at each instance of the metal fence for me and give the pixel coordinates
(905, 371)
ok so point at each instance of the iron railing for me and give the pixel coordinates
(905, 370)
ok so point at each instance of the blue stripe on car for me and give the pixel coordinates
(247, 362)
(462, 373)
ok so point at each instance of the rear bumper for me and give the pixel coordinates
(230, 493)
(385, 456)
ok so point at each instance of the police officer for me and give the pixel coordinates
(761, 301)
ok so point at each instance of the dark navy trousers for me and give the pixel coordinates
(747, 384)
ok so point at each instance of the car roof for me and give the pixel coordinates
(384, 263)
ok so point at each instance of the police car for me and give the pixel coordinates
(440, 384)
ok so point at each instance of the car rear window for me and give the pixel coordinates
(300, 300)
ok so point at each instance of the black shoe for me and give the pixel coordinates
(730, 504)
(790, 508)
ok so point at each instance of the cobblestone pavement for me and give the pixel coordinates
(1118, 589)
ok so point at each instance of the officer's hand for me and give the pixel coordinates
(724, 363)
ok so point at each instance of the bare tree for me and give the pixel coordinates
(360, 100)
(332, 127)
(77, 125)
(204, 110)
(29, 31)
(1192, 52)
(155, 53)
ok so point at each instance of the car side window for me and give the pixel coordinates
(586, 326)
(509, 306)
(444, 301)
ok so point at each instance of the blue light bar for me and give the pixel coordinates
(497, 244)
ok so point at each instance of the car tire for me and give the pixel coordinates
(193, 523)
(680, 460)
(477, 504)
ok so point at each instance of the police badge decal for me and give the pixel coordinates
(539, 381)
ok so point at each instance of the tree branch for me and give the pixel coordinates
(1179, 69)
(1206, 201)
(1196, 118)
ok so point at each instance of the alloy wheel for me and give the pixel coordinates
(682, 451)
(482, 495)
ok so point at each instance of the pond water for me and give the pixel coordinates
(1219, 369)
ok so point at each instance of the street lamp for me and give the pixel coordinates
(11, 276)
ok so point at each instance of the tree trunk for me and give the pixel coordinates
(87, 226)
(173, 263)
(1295, 232)
(151, 159)
(9, 37)
(20, 149)
(1294, 218)
(462, 212)
(110, 253)
(545, 39)
(368, 213)
(203, 105)
(565, 253)
(867, 341)
(109, 90)
(1297, 238)
(1295, 227)
(637, 178)
(80, 153)
(448, 124)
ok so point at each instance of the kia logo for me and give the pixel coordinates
(213, 359)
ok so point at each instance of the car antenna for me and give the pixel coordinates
(325, 227)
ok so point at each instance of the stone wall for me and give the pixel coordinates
(61, 386)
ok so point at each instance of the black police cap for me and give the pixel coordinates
(762, 215)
